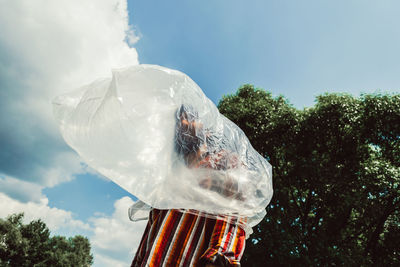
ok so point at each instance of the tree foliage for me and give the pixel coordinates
(336, 175)
(31, 245)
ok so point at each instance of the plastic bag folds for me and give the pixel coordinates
(152, 131)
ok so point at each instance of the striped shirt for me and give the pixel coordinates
(191, 238)
(176, 238)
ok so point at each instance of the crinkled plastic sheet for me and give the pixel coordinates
(152, 131)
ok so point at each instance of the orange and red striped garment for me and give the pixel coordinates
(176, 238)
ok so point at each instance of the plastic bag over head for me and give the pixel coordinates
(152, 131)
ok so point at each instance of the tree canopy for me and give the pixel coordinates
(336, 175)
(31, 245)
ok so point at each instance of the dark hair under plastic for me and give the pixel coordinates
(189, 134)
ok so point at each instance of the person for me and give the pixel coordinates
(188, 237)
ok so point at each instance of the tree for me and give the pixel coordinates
(336, 175)
(31, 245)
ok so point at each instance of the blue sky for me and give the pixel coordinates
(298, 49)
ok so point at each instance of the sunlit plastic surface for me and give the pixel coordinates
(152, 131)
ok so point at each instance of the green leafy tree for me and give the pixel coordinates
(336, 175)
(31, 245)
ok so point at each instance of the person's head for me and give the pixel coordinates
(189, 133)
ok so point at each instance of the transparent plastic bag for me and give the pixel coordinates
(152, 131)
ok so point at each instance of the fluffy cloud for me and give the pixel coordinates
(46, 48)
(116, 238)
(22, 190)
(58, 221)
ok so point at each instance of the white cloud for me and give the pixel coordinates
(46, 48)
(116, 238)
(22, 190)
(57, 220)
(100, 260)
